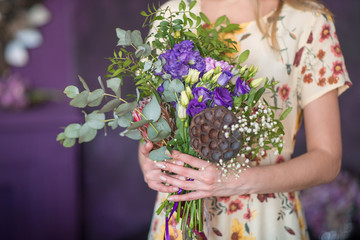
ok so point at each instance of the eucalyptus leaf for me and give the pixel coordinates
(137, 95)
(125, 120)
(168, 96)
(147, 66)
(176, 86)
(124, 37)
(72, 130)
(125, 108)
(166, 76)
(95, 120)
(145, 50)
(61, 136)
(81, 100)
(138, 124)
(161, 125)
(152, 110)
(95, 98)
(110, 106)
(101, 83)
(140, 51)
(159, 154)
(69, 142)
(71, 91)
(115, 85)
(87, 133)
(161, 135)
(113, 124)
(132, 134)
(136, 38)
(83, 83)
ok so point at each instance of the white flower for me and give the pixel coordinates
(181, 111)
(193, 76)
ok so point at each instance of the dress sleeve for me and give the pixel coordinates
(320, 62)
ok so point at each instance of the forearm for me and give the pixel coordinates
(310, 169)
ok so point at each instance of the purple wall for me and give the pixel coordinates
(38, 177)
(40, 195)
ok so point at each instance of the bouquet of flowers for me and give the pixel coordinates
(191, 97)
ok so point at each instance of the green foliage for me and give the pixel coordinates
(159, 154)
(71, 91)
(152, 110)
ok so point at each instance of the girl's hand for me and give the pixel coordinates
(207, 181)
(152, 174)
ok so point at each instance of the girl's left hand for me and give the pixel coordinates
(207, 180)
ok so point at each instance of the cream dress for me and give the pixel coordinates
(308, 65)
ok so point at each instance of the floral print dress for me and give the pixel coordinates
(308, 65)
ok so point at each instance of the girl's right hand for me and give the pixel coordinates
(152, 173)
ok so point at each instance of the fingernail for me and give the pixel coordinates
(180, 163)
(175, 189)
(182, 178)
(170, 199)
(159, 165)
(162, 178)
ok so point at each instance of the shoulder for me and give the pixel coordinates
(303, 17)
(303, 22)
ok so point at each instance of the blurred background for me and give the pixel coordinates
(96, 191)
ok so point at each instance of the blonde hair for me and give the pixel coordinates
(269, 28)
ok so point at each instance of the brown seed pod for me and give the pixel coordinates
(207, 134)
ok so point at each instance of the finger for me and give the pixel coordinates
(186, 185)
(159, 187)
(179, 170)
(146, 148)
(189, 196)
(192, 161)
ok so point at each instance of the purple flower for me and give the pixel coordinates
(212, 64)
(181, 58)
(224, 78)
(195, 107)
(222, 97)
(184, 46)
(160, 89)
(201, 91)
(241, 87)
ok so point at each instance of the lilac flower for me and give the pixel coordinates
(201, 91)
(211, 63)
(195, 107)
(222, 97)
(241, 87)
(13, 93)
(224, 78)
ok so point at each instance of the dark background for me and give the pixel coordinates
(96, 190)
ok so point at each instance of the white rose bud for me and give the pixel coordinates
(189, 92)
(192, 77)
(184, 99)
(243, 69)
(256, 82)
(208, 75)
(181, 112)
